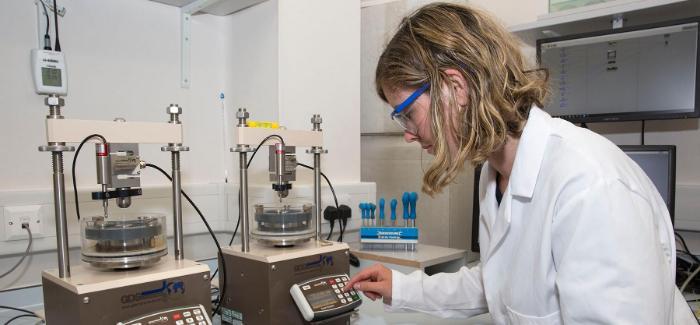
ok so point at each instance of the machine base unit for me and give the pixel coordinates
(258, 282)
(164, 293)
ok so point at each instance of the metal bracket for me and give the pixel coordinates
(174, 148)
(186, 14)
(185, 23)
(56, 148)
(315, 150)
(242, 148)
(617, 21)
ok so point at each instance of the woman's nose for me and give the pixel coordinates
(409, 137)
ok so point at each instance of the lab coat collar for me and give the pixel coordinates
(530, 152)
(526, 168)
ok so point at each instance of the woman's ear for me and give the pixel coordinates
(459, 85)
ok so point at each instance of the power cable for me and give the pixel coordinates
(26, 252)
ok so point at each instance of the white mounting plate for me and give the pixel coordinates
(72, 131)
(253, 136)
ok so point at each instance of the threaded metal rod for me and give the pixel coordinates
(317, 193)
(177, 206)
(59, 203)
(243, 213)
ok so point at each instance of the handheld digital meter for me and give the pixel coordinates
(323, 297)
(49, 72)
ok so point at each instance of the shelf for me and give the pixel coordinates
(214, 7)
(188, 8)
(599, 17)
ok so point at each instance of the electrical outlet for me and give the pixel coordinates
(16, 216)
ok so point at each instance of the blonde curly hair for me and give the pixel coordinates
(442, 36)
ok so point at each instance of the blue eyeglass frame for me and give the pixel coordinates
(408, 101)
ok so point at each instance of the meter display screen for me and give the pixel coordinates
(51, 77)
(320, 299)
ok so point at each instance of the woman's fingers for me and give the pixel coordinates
(381, 288)
(374, 281)
(369, 273)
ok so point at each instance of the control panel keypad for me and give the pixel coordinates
(325, 297)
(338, 284)
(177, 316)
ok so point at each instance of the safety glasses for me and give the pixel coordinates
(401, 115)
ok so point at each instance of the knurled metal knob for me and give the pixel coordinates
(174, 109)
(54, 101)
(242, 113)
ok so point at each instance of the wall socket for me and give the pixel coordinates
(15, 216)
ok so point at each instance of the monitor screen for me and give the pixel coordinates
(658, 162)
(639, 73)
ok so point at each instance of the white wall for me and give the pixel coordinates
(124, 60)
(320, 74)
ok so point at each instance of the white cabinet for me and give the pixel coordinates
(600, 17)
(214, 7)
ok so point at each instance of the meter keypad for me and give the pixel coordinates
(325, 297)
(178, 316)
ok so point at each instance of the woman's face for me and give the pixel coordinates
(419, 115)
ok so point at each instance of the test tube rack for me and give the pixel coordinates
(378, 233)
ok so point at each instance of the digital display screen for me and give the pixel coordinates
(655, 165)
(51, 77)
(616, 76)
(318, 300)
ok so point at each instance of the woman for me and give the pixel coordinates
(571, 230)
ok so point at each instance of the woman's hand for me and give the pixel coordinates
(374, 282)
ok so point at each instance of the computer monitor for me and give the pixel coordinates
(639, 73)
(658, 162)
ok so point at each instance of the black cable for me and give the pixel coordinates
(47, 38)
(17, 309)
(643, 124)
(229, 243)
(335, 198)
(211, 232)
(55, 21)
(685, 247)
(75, 158)
(261, 144)
(279, 137)
(330, 233)
(26, 252)
(341, 227)
(21, 316)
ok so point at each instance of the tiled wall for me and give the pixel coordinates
(397, 167)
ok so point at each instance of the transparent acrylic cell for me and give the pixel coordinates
(123, 241)
(283, 224)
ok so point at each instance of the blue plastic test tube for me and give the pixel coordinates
(404, 201)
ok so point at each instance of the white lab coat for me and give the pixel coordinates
(581, 237)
